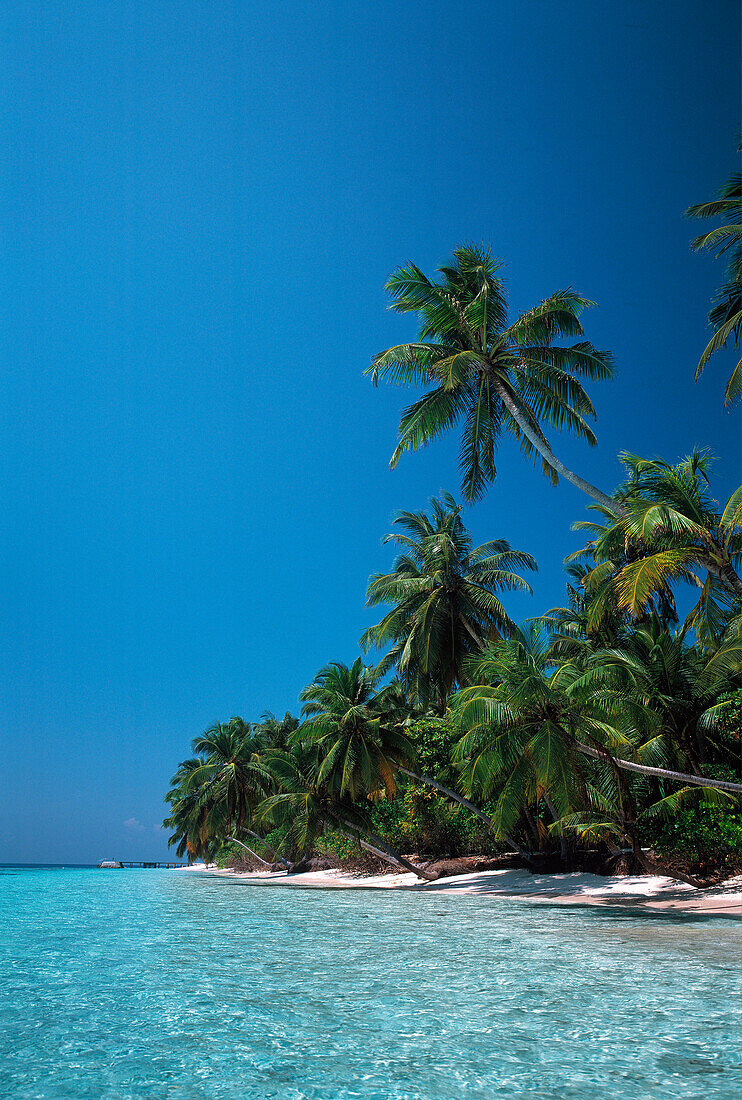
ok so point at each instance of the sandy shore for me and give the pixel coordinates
(649, 892)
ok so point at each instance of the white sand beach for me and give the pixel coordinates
(651, 892)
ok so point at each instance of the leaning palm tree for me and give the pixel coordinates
(490, 373)
(725, 315)
(304, 809)
(444, 597)
(527, 723)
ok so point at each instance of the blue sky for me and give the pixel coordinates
(201, 204)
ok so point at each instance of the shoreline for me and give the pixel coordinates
(652, 893)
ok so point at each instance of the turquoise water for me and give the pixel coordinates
(165, 984)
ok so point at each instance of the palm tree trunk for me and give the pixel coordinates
(469, 805)
(731, 578)
(546, 453)
(555, 817)
(727, 574)
(234, 840)
(381, 849)
(531, 825)
(661, 773)
(273, 854)
(478, 642)
(628, 820)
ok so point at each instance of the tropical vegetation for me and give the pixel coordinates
(602, 733)
(725, 315)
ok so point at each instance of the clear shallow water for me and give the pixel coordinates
(164, 984)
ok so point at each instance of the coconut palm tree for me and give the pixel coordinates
(521, 727)
(304, 809)
(576, 630)
(619, 812)
(272, 732)
(489, 373)
(527, 724)
(444, 597)
(231, 770)
(213, 794)
(358, 753)
(191, 813)
(725, 315)
(679, 682)
(669, 530)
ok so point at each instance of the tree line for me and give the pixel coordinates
(607, 724)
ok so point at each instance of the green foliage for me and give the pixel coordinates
(669, 530)
(434, 740)
(335, 844)
(487, 374)
(421, 820)
(444, 599)
(725, 315)
(703, 832)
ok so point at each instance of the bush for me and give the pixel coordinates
(728, 736)
(421, 820)
(704, 833)
(337, 845)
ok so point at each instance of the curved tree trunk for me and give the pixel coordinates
(546, 453)
(234, 840)
(661, 773)
(381, 849)
(274, 855)
(469, 805)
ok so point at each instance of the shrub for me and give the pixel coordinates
(705, 832)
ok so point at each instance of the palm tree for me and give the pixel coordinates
(304, 808)
(613, 813)
(527, 723)
(677, 681)
(213, 794)
(725, 315)
(444, 598)
(521, 728)
(580, 628)
(191, 813)
(231, 770)
(358, 753)
(272, 732)
(488, 373)
(669, 528)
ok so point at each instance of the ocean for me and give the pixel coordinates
(158, 984)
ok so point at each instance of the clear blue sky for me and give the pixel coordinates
(201, 204)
